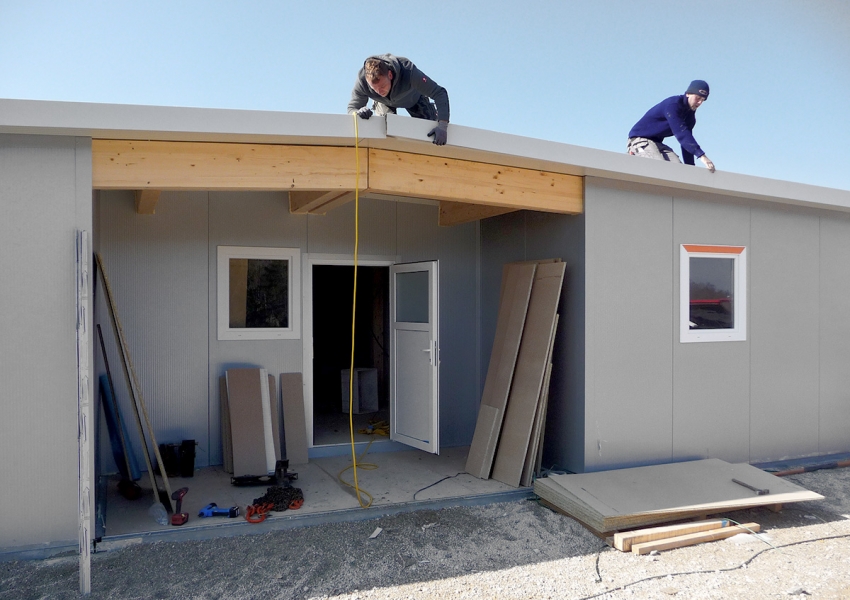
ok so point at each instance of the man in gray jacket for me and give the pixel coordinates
(394, 82)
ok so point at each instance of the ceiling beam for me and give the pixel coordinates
(146, 201)
(212, 166)
(317, 203)
(456, 213)
(420, 176)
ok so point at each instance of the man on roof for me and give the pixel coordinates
(673, 116)
(394, 82)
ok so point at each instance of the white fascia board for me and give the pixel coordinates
(410, 135)
(127, 121)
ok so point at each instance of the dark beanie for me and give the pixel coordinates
(698, 87)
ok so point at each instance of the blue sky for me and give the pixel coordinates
(579, 72)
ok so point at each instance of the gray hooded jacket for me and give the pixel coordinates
(409, 84)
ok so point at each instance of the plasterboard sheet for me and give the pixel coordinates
(610, 500)
(247, 427)
(294, 421)
(274, 405)
(517, 280)
(529, 373)
(224, 411)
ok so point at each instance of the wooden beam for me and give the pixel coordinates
(317, 203)
(146, 201)
(623, 541)
(418, 176)
(692, 539)
(211, 166)
(456, 213)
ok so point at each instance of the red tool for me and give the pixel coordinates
(179, 518)
(257, 513)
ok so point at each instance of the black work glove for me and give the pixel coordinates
(364, 113)
(440, 133)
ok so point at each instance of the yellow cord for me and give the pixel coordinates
(356, 486)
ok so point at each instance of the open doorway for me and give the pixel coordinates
(332, 286)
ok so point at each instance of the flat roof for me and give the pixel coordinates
(404, 134)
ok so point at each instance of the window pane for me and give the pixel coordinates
(411, 293)
(712, 295)
(259, 293)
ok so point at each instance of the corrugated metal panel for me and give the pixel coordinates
(421, 239)
(629, 308)
(784, 324)
(333, 233)
(834, 335)
(711, 380)
(38, 432)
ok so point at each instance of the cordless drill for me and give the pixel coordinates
(179, 518)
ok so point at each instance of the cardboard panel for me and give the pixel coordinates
(294, 421)
(530, 370)
(244, 395)
(517, 280)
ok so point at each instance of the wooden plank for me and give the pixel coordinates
(457, 213)
(244, 395)
(226, 440)
(418, 176)
(624, 540)
(318, 203)
(530, 467)
(692, 539)
(528, 377)
(160, 165)
(513, 305)
(146, 201)
(294, 419)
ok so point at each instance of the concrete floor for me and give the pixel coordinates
(395, 480)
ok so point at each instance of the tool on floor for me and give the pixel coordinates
(256, 513)
(213, 510)
(179, 518)
(758, 491)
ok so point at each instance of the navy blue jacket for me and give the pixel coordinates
(409, 84)
(669, 117)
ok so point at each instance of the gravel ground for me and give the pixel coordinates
(510, 550)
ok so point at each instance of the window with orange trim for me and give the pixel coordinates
(713, 293)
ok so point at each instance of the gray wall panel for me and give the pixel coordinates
(834, 335)
(562, 236)
(333, 233)
(248, 219)
(421, 239)
(784, 282)
(629, 303)
(711, 380)
(42, 204)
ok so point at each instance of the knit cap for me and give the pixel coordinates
(698, 87)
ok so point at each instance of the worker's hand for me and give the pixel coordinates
(440, 133)
(707, 162)
(364, 113)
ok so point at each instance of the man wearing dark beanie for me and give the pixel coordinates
(673, 116)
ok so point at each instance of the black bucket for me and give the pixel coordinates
(187, 458)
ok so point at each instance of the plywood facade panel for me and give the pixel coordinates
(711, 380)
(784, 326)
(43, 201)
(834, 350)
(629, 328)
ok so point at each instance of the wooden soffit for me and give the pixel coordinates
(320, 178)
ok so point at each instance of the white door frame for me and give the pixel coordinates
(307, 261)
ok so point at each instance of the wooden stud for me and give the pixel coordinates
(418, 176)
(317, 203)
(624, 540)
(692, 539)
(146, 201)
(213, 166)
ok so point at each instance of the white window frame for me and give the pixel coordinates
(739, 255)
(225, 332)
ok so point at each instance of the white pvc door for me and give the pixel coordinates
(415, 360)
